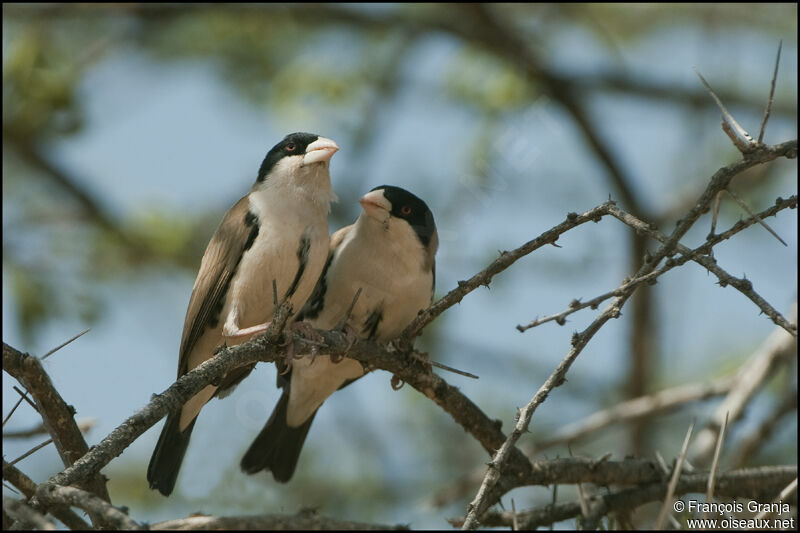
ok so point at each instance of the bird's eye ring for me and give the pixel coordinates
(406, 210)
(291, 147)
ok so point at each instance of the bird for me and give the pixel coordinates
(389, 254)
(277, 231)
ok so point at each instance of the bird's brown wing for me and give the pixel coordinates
(234, 235)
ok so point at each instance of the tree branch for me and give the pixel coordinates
(750, 377)
(743, 285)
(54, 495)
(25, 516)
(305, 520)
(27, 486)
(644, 406)
(505, 260)
(698, 255)
(56, 415)
(486, 495)
(760, 484)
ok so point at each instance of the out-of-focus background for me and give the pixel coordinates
(129, 130)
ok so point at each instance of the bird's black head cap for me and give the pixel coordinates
(292, 144)
(412, 209)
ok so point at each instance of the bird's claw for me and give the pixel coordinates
(351, 336)
(423, 359)
(310, 335)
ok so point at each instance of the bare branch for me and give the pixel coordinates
(789, 490)
(712, 478)
(744, 206)
(673, 483)
(719, 180)
(644, 406)
(715, 214)
(84, 425)
(24, 395)
(760, 435)
(11, 412)
(742, 285)
(26, 485)
(31, 451)
(71, 496)
(56, 414)
(750, 377)
(453, 370)
(743, 141)
(768, 109)
(698, 255)
(51, 352)
(305, 520)
(757, 484)
(25, 516)
(505, 260)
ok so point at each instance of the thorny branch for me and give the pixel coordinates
(699, 254)
(750, 377)
(305, 520)
(759, 484)
(56, 415)
(487, 495)
(643, 406)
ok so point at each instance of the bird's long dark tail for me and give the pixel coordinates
(277, 448)
(168, 455)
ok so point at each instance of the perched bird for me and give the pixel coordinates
(389, 253)
(278, 231)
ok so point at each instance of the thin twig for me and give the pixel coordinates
(8, 416)
(56, 414)
(698, 255)
(712, 477)
(506, 259)
(757, 484)
(727, 116)
(48, 354)
(673, 483)
(768, 109)
(514, 523)
(24, 516)
(304, 520)
(74, 497)
(715, 214)
(744, 206)
(782, 497)
(487, 494)
(24, 395)
(350, 308)
(636, 408)
(26, 485)
(662, 463)
(749, 445)
(743, 285)
(84, 425)
(31, 451)
(750, 377)
(453, 370)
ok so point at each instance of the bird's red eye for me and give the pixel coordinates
(291, 147)
(406, 210)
